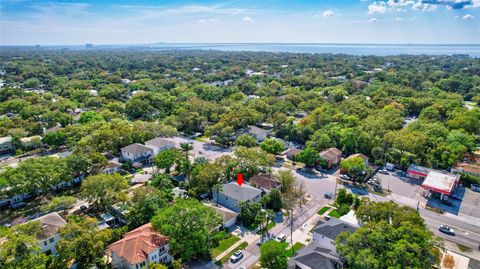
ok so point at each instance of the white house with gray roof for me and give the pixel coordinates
(136, 152)
(325, 233)
(159, 144)
(49, 237)
(259, 133)
(232, 193)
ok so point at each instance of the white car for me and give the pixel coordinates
(281, 238)
(238, 255)
(346, 177)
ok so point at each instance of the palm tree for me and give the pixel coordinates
(185, 148)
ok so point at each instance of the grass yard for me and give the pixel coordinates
(334, 213)
(202, 139)
(323, 210)
(225, 258)
(293, 250)
(224, 245)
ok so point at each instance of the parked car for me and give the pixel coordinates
(383, 171)
(238, 255)
(281, 238)
(455, 197)
(446, 229)
(346, 177)
(328, 195)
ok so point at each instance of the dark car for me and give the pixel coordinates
(328, 195)
(238, 255)
(446, 229)
(455, 197)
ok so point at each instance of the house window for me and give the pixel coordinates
(45, 242)
(51, 240)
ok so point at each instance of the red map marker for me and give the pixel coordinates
(240, 179)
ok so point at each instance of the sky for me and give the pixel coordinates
(27, 22)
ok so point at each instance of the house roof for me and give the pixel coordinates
(315, 257)
(29, 139)
(256, 130)
(138, 243)
(331, 153)
(264, 181)
(136, 149)
(292, 151)
(51, 223)
(358, 155)
(468, 168)
(160, 142)
(416, 169)
(5, 139)
(240, 193)
(112, 165)
(440, 182)
(226, 213)
(333, 227)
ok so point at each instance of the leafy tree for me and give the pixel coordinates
(205, 177)
(61, 202)
(354, 166)
(248, 212)
(263, 218)
(287, 178)
(19, 247)
(309, 156)
(275, 200)
(190, 226)
(250, 160)
(82, 243)
(162, 182)
(146, 202)
(272, 146)
(104, 190)
(167, 158)
(273, 255)
(246, 140)
(89, 116)
(55, 139)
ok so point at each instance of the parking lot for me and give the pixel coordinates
(202, 149)
(399, 184)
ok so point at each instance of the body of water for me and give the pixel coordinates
(354, 49)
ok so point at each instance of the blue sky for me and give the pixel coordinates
(24, 22)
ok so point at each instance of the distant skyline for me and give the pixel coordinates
(24, 22)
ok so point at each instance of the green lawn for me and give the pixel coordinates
(323, 210)
(334, 213)
(225, 258)
(296, 247)
(224, 245)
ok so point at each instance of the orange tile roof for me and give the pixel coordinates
(138, 243)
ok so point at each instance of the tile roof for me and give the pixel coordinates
(51, 223)
(137, 148)
(138, 243)
(264, 181)
(240, 193)
(331, 153)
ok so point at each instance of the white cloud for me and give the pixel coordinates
(373, 20)
(377, 7)
(424, 7)
(399, 19)
(247, 19)
(328, 13)
(400, 3)
(468, 17)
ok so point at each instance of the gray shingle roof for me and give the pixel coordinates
(315, 257)
(160, 142)
(333, 227)
(240, 193)
(51, 223)
(137, 148)
(256, 131)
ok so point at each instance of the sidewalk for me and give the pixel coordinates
(245, 236)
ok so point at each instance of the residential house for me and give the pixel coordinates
(232, 193)
(229, 217)
(31, 142)
(332, 156)
(359, 155)
(259, 133)
(49, 237)
(136, 152)
(324, 233)
(111, 167)
(466, 168)
(52, 129)
(159, 144)
(315, 256)
(291, 153)
(6, 145)
(140, 247)
(265, 182)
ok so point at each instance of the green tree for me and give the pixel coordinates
(275, 200)
(191, 227)
(55, 139)
(205, 177)
(90, 116)
(272, 146)
(309, 156)
(287, 178)
(263, 218)
(82, 243)
(246, 140)
(146, 201)
(61, 202)
(248, 212)
(104, 190)
(167, 158)
(354, 166)
(162, 182)
(273, 255)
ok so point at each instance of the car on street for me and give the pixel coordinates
(343, 176)
(446, 229)
(383, 171)
(238, 255)
(281, 238)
